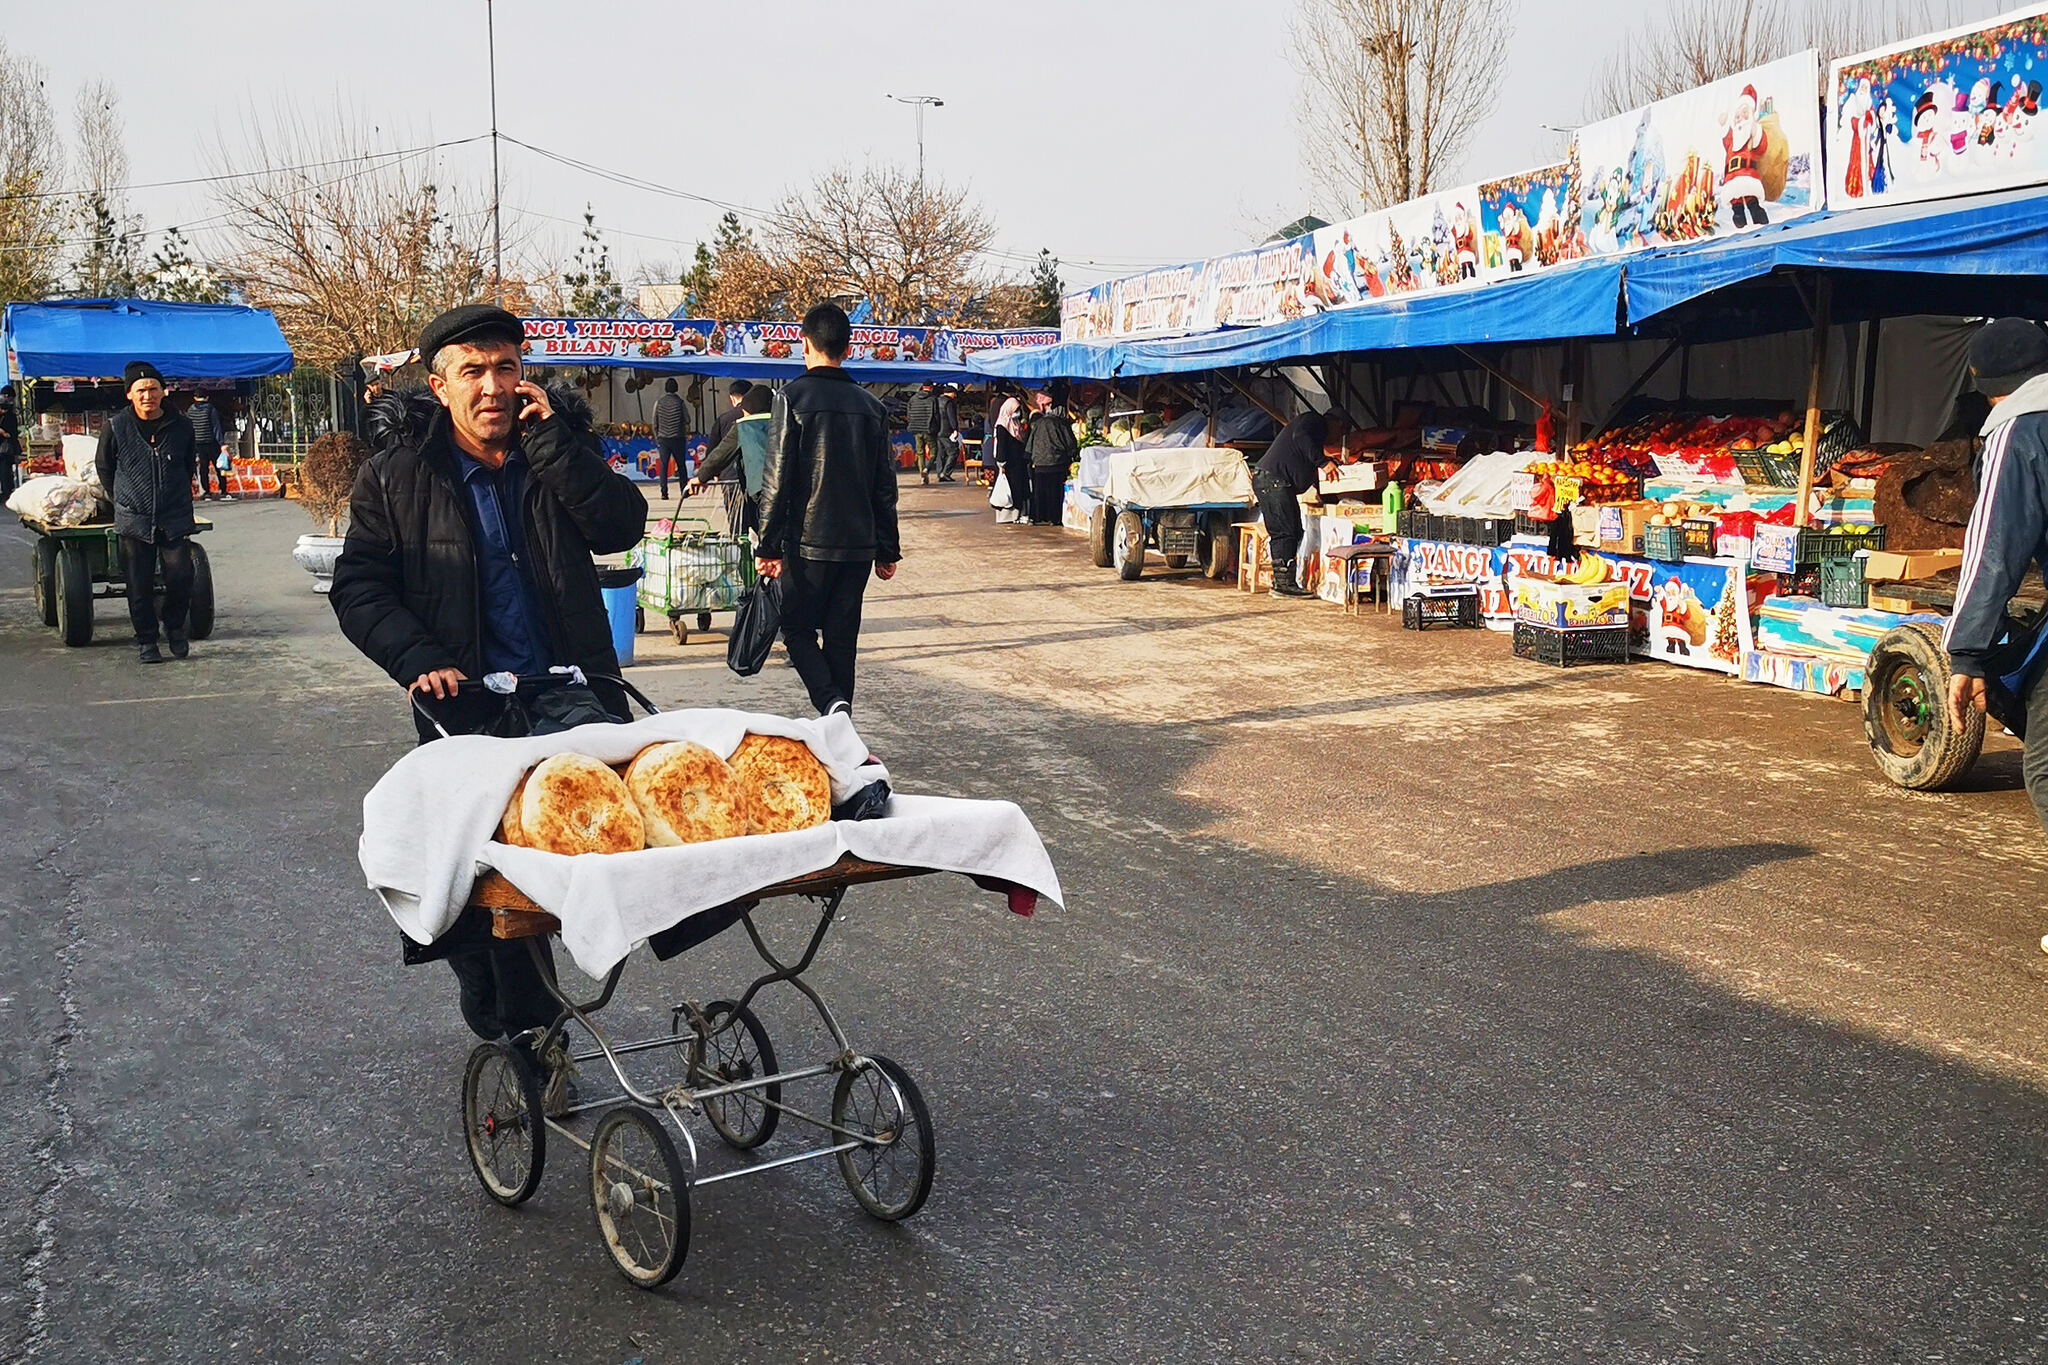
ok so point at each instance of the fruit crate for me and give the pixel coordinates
(1488, 531)
(1448, 608)
(1666, 543)
(1840, 582)
(1568, 648)
(1805, 583)
(1762, 469)
(1526, 525)
(1817, 543)
(1699, 536)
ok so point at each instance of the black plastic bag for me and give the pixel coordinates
(755, 622)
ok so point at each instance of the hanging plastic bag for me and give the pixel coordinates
(756, 621)
(999, 495)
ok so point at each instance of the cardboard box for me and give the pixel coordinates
(1903, 566)
(1621, 526)
(1570, 605)
(1774, 549)
(1363, 477)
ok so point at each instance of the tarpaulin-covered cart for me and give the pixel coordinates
(1180, 500)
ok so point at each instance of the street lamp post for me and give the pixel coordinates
(920, 103)
(497, 225)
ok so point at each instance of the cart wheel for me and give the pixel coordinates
(501, 1118)
(74, 596)
(199, 616)
(1216, 547)
(1101, 536)
(703, 620)
(891, 1173)
(641, 1196)
(46, 579)
(639, 620)
(679, 630)
(1914, 739)
(1176, 561)
(1129, 547)
(727, 1043)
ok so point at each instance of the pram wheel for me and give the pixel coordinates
(641, 1196)
(891, 1173)
(727, 1044)
(502, 1122)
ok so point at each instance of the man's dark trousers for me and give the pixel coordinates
(823, 597)
(670, 451)
(139, 561)
(503, 992)
(1282, 511)
(2034, 764)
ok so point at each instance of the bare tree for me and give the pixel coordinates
(355, 257)
(109, 263)
(1392, 92)
(33, 208)
(909, 245)
(1698, 41)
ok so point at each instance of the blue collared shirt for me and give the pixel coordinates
(514, 639)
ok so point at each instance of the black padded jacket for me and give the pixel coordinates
(406, 584)
(148, 475)
(829, 489)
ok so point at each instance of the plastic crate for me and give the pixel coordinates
(1664, 542)
(1526, 525)
(1762, 469)
(1805, 583)
(1818, 543)
(1434, 608)
(1841, 583)
(1568, 648)
(1699, 536)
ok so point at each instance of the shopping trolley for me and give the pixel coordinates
(690, 569)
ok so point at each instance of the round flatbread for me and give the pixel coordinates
(575, 804)
(510, 830)
(686, 794)
(784, 785)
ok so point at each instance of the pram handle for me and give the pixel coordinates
(511, 684)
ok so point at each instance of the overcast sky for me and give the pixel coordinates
(1120, 133)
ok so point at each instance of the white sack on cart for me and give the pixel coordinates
(430, 823)
(54, 500)
(81, 458)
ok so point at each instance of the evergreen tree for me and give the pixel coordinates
(1046, 289)
(592, 290)
(176, 278)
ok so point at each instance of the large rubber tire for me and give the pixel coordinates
(1916, 742)
(46, 579)
(1128, 545)
(1101, 529)
(74, 597)
(199, 616)
(1217, 547)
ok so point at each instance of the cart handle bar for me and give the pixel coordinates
(510, 684)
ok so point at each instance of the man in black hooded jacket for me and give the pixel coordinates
(469, 546)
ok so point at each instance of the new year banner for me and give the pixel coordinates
(1161, 302)
(1943, 115)
(1734, 155)
(785, 341)
(1526, 222)
(596, 341)
(1271, 283)
(1418, 247)
(954, 346)
(1084, 314)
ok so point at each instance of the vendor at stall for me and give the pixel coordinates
(1287, 470)
(145, 462)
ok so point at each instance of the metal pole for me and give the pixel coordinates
(497, 224)
(1823, 308)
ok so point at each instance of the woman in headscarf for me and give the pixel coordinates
(1007, 453)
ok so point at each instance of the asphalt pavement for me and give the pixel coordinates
(1409, 1003)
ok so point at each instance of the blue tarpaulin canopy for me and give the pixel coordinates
(759, 367)
(95, 338)
(1578, 300)
(1957, 256)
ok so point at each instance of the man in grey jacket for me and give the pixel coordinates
(2008, 531)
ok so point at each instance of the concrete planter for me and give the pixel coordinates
(316, 555)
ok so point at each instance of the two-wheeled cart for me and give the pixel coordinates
(1184, 502)
(76, 564)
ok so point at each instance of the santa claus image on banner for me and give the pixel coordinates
(1465, 242)
(1857, 121)
(1745, 148)
(1677, 620)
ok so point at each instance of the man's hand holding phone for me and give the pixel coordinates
(537, 408)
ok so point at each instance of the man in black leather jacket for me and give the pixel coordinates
(828, 509)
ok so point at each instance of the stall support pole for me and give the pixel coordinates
(1823, 306)
(1574, 381)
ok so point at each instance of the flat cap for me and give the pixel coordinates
(473, 322)
(2006, 353)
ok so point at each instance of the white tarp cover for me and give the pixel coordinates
(1181, 477)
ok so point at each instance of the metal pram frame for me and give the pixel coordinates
(641, 1185)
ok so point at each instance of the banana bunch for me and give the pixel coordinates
(1585, 571)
